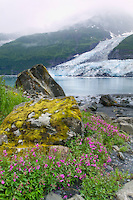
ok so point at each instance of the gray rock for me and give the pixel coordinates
(127, 119)
(126, 193)
(76, 197)
(109, 168)
(93, 106)
(53, 196)
(115, 148)
(43, 120)
(17, 133)
(128, 128)
(3, 138)
(108, 100)
(89, 106)
(126, 124)
(121, 156)
(37, 81)
(85, 107)
(104, 116)
(58, 149)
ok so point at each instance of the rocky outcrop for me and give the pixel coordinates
(121, 54)
(53, 196)
(45, 121)
(126, 193)
(89, 107)
(37, 80)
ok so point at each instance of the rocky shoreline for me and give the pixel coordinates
(125, 102)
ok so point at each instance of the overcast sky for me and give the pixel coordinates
(30, 16)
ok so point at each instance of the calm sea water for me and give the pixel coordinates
(89, 86)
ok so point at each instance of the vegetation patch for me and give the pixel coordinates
(9, 98)
(33, 172)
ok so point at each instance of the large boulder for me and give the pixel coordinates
(45, 121)
(37, 80)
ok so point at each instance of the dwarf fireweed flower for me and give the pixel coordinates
(3, 182)
(5, 153)
(62, 175)
(46, 165)
(38, 167)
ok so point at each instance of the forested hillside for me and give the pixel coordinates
(124, 50)
(48, 48)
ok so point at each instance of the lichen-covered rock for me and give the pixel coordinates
(45, 121)
(37, 80)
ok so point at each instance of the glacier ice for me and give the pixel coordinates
(95, 62)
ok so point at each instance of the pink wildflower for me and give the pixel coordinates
(62, 175)
(3, 182)
(45, 165)
(37, 145)
(38, 167)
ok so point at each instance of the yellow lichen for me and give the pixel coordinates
(59, 109)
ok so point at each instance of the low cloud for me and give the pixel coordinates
(30, 16)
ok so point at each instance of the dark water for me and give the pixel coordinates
(89, 86)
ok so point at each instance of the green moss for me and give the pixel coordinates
(58, 109)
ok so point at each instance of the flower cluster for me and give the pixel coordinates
(48, 171)
(110, 132)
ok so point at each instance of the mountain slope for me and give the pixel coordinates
(124, 50)
(48, 48)
(5, 38)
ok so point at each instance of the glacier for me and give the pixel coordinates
(95, 62)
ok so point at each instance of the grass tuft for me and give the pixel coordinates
(8, 99)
